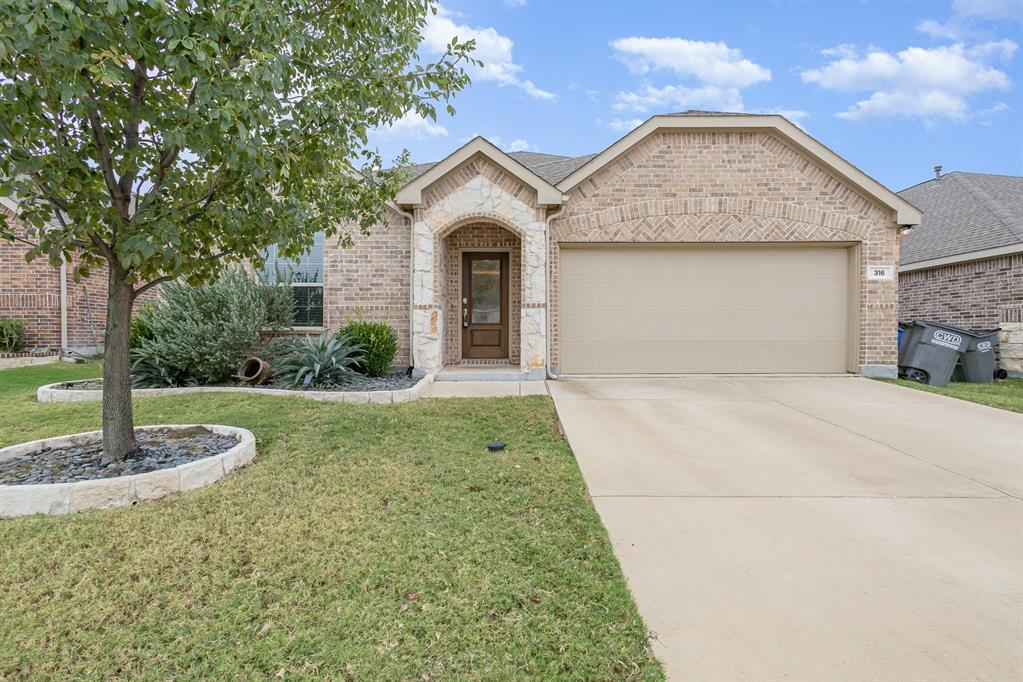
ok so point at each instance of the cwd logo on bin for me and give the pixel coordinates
(946, 339)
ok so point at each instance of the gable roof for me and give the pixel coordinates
(546, 194)
(964, 213)
(906, 213)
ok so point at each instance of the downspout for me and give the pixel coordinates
(411, 284)
(547, 285)
(63, 306)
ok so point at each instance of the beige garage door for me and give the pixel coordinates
(668, 309)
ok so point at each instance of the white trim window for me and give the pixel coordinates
(306, 276)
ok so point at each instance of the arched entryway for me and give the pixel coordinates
(480, 267)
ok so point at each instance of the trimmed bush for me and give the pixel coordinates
(202, 333)
(319, 362)
(12, 335)
(379, 342)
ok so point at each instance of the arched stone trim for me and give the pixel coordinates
(477, 217)
(617, 219)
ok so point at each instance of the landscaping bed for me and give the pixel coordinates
(365, 542)
(393, 381)
(83, 460)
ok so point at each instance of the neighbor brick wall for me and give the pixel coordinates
(477, 237)
(685, 187)
(963, 294)
(370, 279)
(31, 292)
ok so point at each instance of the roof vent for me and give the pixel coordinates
(937, 172)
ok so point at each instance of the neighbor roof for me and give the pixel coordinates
(964, 213)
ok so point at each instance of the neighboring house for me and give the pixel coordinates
(697, 243)
(58, 312)
(965, 260)
(964, 263)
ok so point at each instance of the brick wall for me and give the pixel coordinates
(475, 237)
(370, 279)
(964, 294)
(685, 187)
(31, 292)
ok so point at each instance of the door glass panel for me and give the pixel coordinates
(486, 291)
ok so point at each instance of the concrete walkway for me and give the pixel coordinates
(486, 389)
(809, 528)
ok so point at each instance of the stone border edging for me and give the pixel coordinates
(120, 491)
(53, 393)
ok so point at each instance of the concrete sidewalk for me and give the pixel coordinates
(810, 528)
(486, 389)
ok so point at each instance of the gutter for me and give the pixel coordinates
(63, 306)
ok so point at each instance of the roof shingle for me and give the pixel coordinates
(963, 212)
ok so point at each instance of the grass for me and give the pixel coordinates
(1006, 394)
(366, 542)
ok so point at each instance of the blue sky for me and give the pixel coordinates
(894, 87)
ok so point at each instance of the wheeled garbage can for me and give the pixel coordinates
(977, 362)
(930, 351)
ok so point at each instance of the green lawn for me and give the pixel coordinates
(1005, 393)
(366, 542)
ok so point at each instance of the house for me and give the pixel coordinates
(59, 313)
(699, 242)
(964, 263)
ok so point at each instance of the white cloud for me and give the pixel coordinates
(411, 125)
(916, 82)
(966, 16)
(492, 48)
(794, 115)
(713, 63)
(520, 146)
(516, 3)
(989, 9)
(624, 125)
(843, 51)
(677, 97)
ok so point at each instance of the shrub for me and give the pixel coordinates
(279, 300)
(141, 329)
(149, 371)
(379, 341)
(318, 361)
(204, 332)
(12, 335)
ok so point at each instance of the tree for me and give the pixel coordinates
(165, 138)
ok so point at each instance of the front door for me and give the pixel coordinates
(485, 305)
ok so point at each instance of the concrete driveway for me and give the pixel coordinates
(809, 528)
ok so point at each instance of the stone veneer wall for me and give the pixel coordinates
(681, 187)
(478, 191)
(476, 237)
(1011, 339)
(370, 279)
(964, 294)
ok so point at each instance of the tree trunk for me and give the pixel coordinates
(118, 421)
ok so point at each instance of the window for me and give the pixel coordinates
(306, 274)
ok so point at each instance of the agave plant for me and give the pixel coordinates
(148, 370)
(319, 361)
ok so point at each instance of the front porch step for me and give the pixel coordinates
(479, 373)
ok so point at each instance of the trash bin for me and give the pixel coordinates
(977, 362)
(930, 351)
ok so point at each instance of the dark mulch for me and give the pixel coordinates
(157, 449)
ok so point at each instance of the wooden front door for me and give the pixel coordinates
(485, 305)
